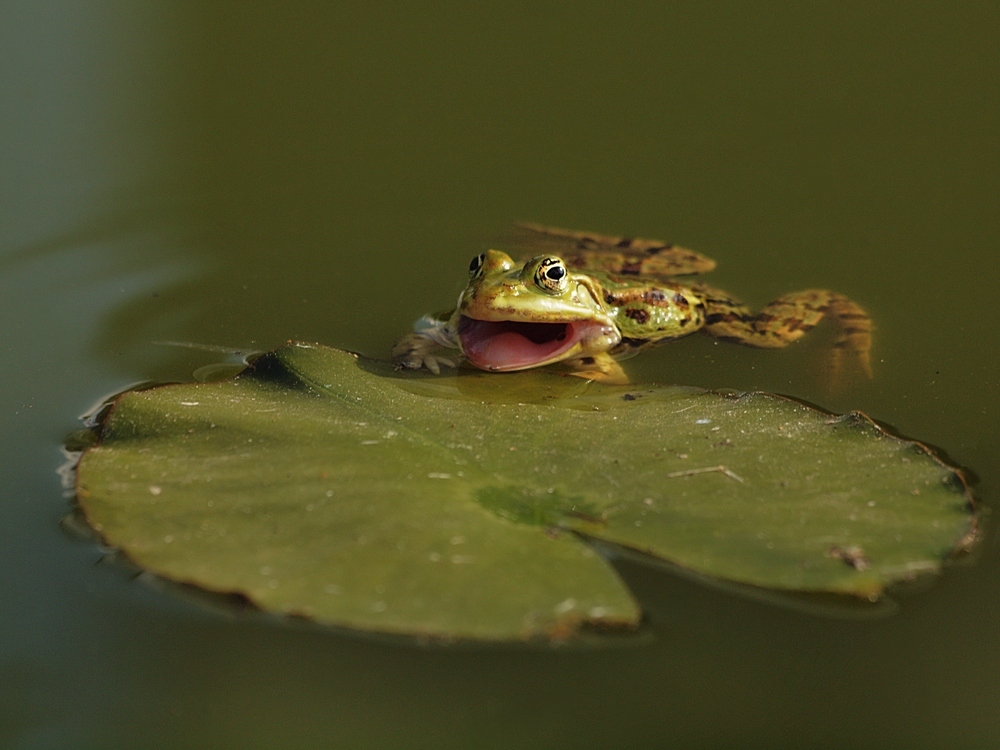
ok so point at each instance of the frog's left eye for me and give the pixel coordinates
(476, 265)
(551, 274)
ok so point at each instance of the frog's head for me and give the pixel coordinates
(515, 317)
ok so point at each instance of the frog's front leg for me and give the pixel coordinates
(599, 367)
(427, 345)
(790, 317)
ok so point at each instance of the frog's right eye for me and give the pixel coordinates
(476, 265)
(551, 275)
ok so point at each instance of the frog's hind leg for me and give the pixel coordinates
(789, 318)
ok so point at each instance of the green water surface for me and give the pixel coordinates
(239, 174)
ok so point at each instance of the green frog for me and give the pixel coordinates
(600, 299)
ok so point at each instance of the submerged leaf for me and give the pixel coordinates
(459, 507)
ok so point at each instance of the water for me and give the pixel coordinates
(239, 175)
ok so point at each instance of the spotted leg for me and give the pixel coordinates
(789, 318)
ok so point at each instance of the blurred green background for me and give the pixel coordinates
(242, 173)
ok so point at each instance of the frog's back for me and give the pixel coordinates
(649, 309)
(626, 258)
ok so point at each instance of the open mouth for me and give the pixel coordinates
(500, 345)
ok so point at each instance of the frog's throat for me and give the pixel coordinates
(506, 345)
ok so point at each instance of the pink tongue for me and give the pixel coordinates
(506, 345)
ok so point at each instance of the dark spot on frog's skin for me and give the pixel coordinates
(852, 316)
(855, 330)
(683, 321)
(660, 249)
(681, 301)
(655, 297)
(639, 316)
(631, 269)
(587, 360)
(727, 317)
(629, 397)
(625, 242)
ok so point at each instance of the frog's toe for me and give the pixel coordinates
(416, 351)
(436, 362)
(413, 361)
(421, 360)
(404, 363)
(406, 356)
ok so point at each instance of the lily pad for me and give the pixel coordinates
(320, 484)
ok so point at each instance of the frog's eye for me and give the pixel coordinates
(476, 265)
(551, 275)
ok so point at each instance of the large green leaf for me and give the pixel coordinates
(314, 483)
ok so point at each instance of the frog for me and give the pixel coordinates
(592, 300)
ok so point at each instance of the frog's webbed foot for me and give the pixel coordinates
(600, 367)
(415, 351)
(789, 318)
(429, 345)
